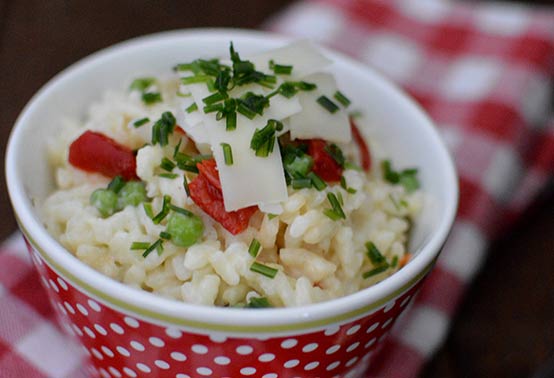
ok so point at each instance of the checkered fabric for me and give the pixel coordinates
(485, 75)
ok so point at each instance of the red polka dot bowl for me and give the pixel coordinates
(130, 333)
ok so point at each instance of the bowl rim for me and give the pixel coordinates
(146, 305)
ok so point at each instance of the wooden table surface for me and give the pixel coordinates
(505, 326)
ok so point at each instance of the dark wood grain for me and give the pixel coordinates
(505, 327)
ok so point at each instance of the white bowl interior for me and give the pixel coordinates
(400, 127)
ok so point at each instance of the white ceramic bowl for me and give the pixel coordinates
(134, 333)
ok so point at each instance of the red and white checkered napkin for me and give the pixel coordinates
(483, 72)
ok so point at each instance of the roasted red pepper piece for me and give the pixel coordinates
(365, 157)
(324, 165)
(208, 169)
(95, 152)
(209, 198)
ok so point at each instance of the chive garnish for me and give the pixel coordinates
(340, 97)
(254, 248)
(192, 108)
(271, 216)
(195, 79)
(407, 177)
(168, 175)
(212, 99)
(317, 181)
(301, 183)
(157, 245)
(227, 153)
(280, 69)
(256, 302)
(164, 211)
(375, 271)
(167, 164)
(116, 184)
(263, 269)
(140, 122)
(336, 154)
(148, 209)
(263, 140)
(151, 97)
(142, 84)
(177, 147)
(394, 262)
(339, 197)
(180, 210)
(139, 245)
(329, 105)
(162, 128)
(374, 254)
(336, 212)
(165, 235)
(186, 185)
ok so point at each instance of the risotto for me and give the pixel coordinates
(232, 182)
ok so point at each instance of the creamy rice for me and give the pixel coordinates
(317, 258)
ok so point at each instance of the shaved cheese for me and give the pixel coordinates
(314, 121)
(305, 58)
(251, 180)
(191, 123)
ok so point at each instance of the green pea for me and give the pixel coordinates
(185, 230)
(133, 193)
(105, 201)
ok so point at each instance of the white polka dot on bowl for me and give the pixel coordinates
(289, 343)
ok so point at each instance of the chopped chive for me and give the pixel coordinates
(212, 99)
(256, 302)
(329, 105)
(177, 147)
(140, 122)
(374, 254)
(116, 184)
(164, 211)
(195, 79)
(263, 140)
(280, 69)
(332, 214)
(339, 197)
(170, 176)
(192, 108)
(301, 183)
(213, 108)
(162, 128)
(180, 210)
(351, 190)
(394, 202)
(407, 178)
(394, 262)
(167, 164)
(227, 153)
(148, 209)
(151, 97)
(254, 248)
(165, 235)
(139, 245)
(231, 121)
(336, 154)
(142, 84)
(271, 216)
(305, 86)
(336, 205)
(317, 181)
(375, 271)
(186, 185)
(157, 245)
(263, 269)
(354, 167)
(340, 97)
